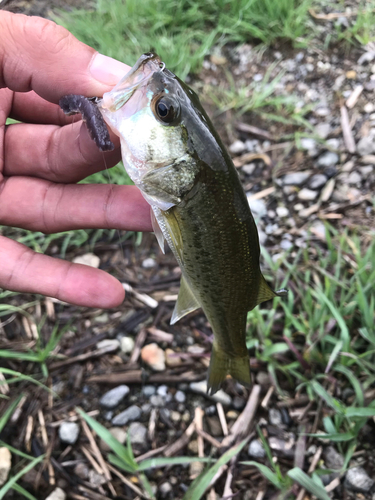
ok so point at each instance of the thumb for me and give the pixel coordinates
(37, 54)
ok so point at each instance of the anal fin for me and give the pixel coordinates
(265, 292)
(157, 231)
(186, 302)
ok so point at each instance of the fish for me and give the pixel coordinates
(174, 155)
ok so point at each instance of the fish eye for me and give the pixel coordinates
(165, 110)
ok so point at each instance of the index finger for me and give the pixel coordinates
(37, 54)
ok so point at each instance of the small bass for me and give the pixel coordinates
(174, 155)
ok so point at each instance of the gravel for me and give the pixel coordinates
(328, 159)
(69, 432)
(180, 397)
(307, 194)
(366, 146)
(57, 494)
(113, 398)
(148, 391)
(220, 396)
(127, 345)
(317, 181)
(128, 415)
(275, 417)
(296, 178)
(237, 147)
(256, 449)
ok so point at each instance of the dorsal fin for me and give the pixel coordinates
(157, 231)
(186, 302)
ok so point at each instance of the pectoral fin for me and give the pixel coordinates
(185, 304)
(157, 231)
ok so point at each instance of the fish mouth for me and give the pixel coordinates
(138, 76)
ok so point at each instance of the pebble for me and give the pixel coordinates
(317, 181)
(295, 178)
(328, 159)
(248, 168)
(154, 356)
(162, 390)
(172, 359)
(118, 434)
(137, 433)
(157, 400)
(256, 449)
(81, 470)
(180, 397)
(88, 259)
(68, 432)
(113, 398)
(127, 345)
(275, 417)
(357, 479)
(369, 107)
(149, 263)
(286, 244)
(148, 391)
(366, 146)
(258, 207)
(282, 211)
(263, 378)
(307, 194)
(307, 143)
(57, 494)
(283, 448)
(237, 147)
(220, 396)
(354, 178)
(165, 489)
(238, 403)
(5, 464)
(110, 344)
(332, 458)
(323, 130)
(96, 479)
(128, 415)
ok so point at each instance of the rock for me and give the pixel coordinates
(369, 107)
(286, 244)
(237, 147)
(263, 378)
(111, 344)
(137, 433)
(172, 359)
(295, 178)
(113, 398)
(248, 168)
(354, 178)
(180, 397)
(127, 345)
(323, 130)
(165, 489)
(256, 449)
(307, 194)
(162, 390)
(88, 259)
(214, 426)
(308, 144)
(332, 459)
(128, 415)
(328, 159)
(193, 446)
(258, 207)
(68, 432)
(117, 433)
(195, 469)
(5, 464)
(154, 357)
(96, 479)
(238, 403)
(366, 146)
(148, 391)
(282, 211)
(281, 447)
(220, 396)
(317, 181)
(149, 263)
(275, 417)
(81, 470)
(57, 494)
(357, 479)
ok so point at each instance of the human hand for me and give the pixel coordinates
(43, 158)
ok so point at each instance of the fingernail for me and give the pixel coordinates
(107, 70)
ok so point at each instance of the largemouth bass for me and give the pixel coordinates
(172, 152)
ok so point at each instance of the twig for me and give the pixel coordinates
(241, 427)
(138, 344)
(127, 482)
(136, 377)
(209, 438)
(181, 442)
(347, 131)
(228, 492)
(251, 129)
(160, 335)
(42, 423)
(332, 15)
(223, 422)
(150, 453)
(72, 418)
(333, 484)
(248, 157)
(152, 424)
(267, 397)
(314, 463)
(84, 357)
(354, 96)
(92, 460)
(142, 297)
(96, 450)
(198, 419)
(263, 193)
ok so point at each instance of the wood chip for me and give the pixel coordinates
(160, 335)
(354, 96)
(347, 131)
(138, 344)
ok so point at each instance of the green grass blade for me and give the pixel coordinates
(199, 486)
(22, 491)
(306, 482)
(354, 381)
(13, 480)
(352, 411)
(8, 412)
(267, 473)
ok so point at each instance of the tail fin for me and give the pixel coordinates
(221, 364)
